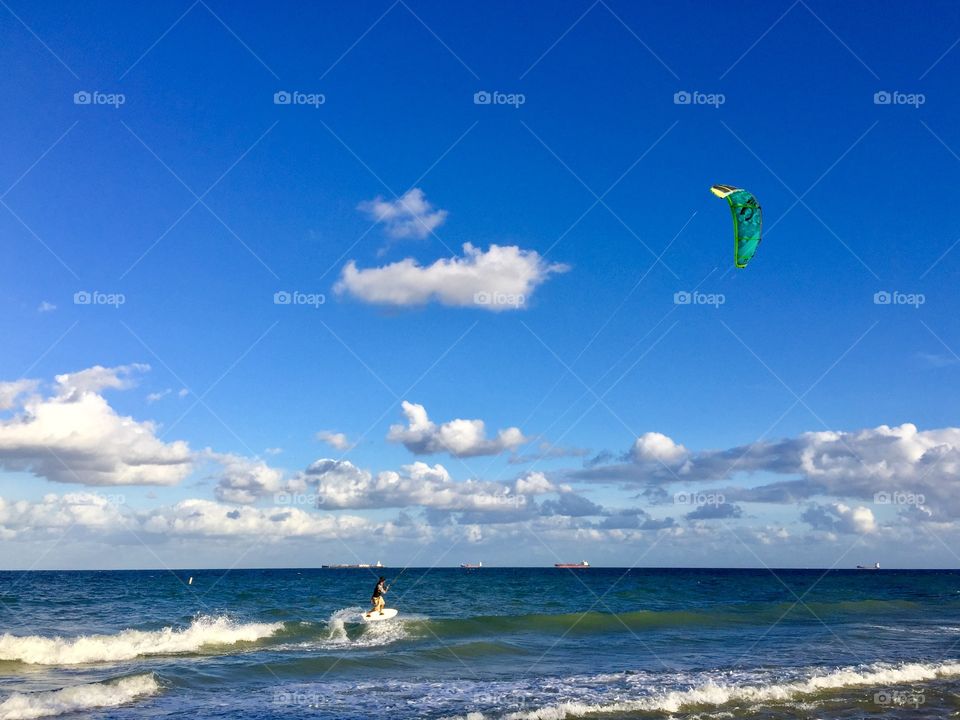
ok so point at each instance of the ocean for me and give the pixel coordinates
(519, 643)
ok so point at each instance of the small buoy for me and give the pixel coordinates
(190, 581)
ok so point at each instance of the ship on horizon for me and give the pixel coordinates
(572, 566)
(378, 564)
(471, 566)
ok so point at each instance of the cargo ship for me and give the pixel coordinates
(572, 566)
(471, 566)
(353, 567)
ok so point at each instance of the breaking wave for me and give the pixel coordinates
(204, 631)
(78, 698)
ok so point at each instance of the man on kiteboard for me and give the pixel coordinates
(378, 592)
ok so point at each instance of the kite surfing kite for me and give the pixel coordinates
(747, 221)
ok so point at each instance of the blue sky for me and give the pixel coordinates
(198, 198)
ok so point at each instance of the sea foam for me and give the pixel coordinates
(716, 694)
(78, 698)
(128, 644)
(369, 635)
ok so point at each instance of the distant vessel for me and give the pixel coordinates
(471, 566)
(875, 566)
(572, 566)
(378, 564)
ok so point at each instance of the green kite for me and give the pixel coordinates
(747, 221)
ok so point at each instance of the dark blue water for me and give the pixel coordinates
(523, 643)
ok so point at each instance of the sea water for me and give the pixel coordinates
(487, 643)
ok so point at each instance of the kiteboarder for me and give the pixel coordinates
(378, 592)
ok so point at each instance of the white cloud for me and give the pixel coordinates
(502, 278)
(409, 216)
(336, 440)
(205, 518)
(57, 513)
(46, 307)
(244, 480)
(770, 535)
(857, 464)
(98, 378)
(657, 447)
(340, 484)
(536, 483)
(155, 396)
(11, 391)
(95, 515)
(75, 436)
(460, 438)
(841, 518)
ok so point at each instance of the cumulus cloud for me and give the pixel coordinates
(502, 278)
(770, 535)
(657, 447)
(46, 306)
(536, 483)
(840, 518)
(57, 513)
(857, 464)
(99, 378)
(244, 480)
(409, 216)
(11, 391)
(75, 436)
(97, 515)
(718, 511)
(336, 440)
(205, 518)
(341, 484)
(572, 505)
(460, 438)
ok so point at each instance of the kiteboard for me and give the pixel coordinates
(378, 616)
